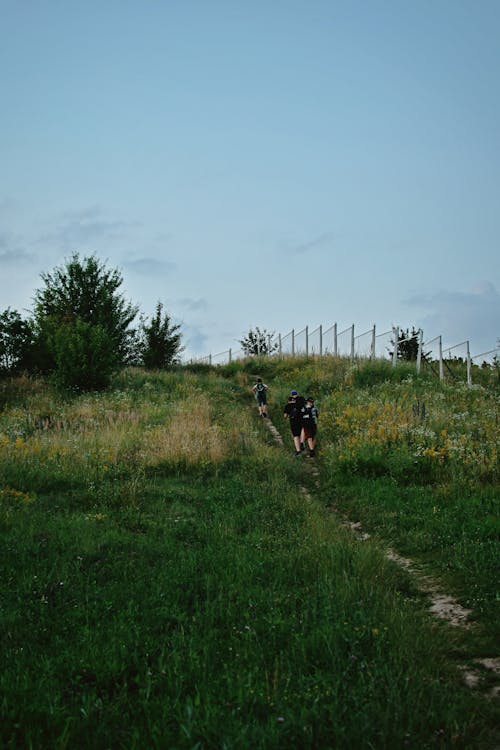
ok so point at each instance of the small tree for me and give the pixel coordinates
(258, 342)
(16, 343)
(408, 345)
(161, 341)
(84, 356)
(83, 289)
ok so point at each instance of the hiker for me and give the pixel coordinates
(293, 412)
(260, 391)
(310, 425)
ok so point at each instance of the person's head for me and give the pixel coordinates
(259, 380)
(293, 394)
(310, 401)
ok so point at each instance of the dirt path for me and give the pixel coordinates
(441, 605)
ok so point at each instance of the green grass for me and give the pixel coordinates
(190, 597)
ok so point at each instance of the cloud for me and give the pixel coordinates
(11, 253)
(84, 227)
(458, 316)
(150, 267)
(193, 305)
(194, 340)
(316, 243)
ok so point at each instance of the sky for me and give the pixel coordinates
(274, 164)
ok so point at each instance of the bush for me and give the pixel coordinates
(381, 371)
(84, 355)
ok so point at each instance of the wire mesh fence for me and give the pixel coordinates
(446, 362)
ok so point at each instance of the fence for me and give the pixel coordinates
(322, 342)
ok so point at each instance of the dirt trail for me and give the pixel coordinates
(442, 605)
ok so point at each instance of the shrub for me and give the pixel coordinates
(84, 356)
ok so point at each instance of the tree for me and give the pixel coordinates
(161, 341)
(84, 291)
(258, 342)
(408, 344)
(16, 343)
(84, 356)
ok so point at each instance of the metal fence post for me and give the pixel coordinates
(321, 340)
(419, 351)
(279, 344)
(352, 342)
(307, 341)
(396, 342)
(441, 367)
(374, 339)
(293, 342)
(469, 366)
(230, 356)
(335, 341)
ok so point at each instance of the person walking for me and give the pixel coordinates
(310, 425)
(293, 411)
(260, 392)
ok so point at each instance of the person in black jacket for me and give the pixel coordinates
(293, 411)
(310, 425)
(260, 392)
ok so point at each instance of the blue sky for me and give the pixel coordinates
(269, 163)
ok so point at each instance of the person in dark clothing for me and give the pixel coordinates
(293, 411)
(260, 392)
(310, 425)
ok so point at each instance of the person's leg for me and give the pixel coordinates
(296, 437)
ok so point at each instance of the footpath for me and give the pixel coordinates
(441, 604)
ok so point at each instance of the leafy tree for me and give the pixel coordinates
(84, 356)
(258, 342)
(16, 343)
(82, 290)
(161, 341)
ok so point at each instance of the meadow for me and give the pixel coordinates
(166, 583)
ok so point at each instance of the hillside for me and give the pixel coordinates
(174, 577)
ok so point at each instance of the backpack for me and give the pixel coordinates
(260, 388)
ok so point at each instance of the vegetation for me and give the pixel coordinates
(80, 332)
(160, 346)
(167, 584)
(258, 343)
(16, 337)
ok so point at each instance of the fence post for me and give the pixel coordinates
(396, 342)
(307, 341)
(269, 343)
(320, 340)
(210, 360)
(335, 342)
(293, 342)
(372, 348)
(419, 350)
(352, 343)
(279, 344)
(230, 356)
(469, 366)
(441, 368)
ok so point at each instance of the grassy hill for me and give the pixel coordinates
(166, 583)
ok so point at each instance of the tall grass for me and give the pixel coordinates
(166, 584)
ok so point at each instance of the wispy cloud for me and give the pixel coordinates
(193, 305)
(150, 267)
(75, 230)
(11, 251)
(315, 243)
(194, 340)
(459, 315)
